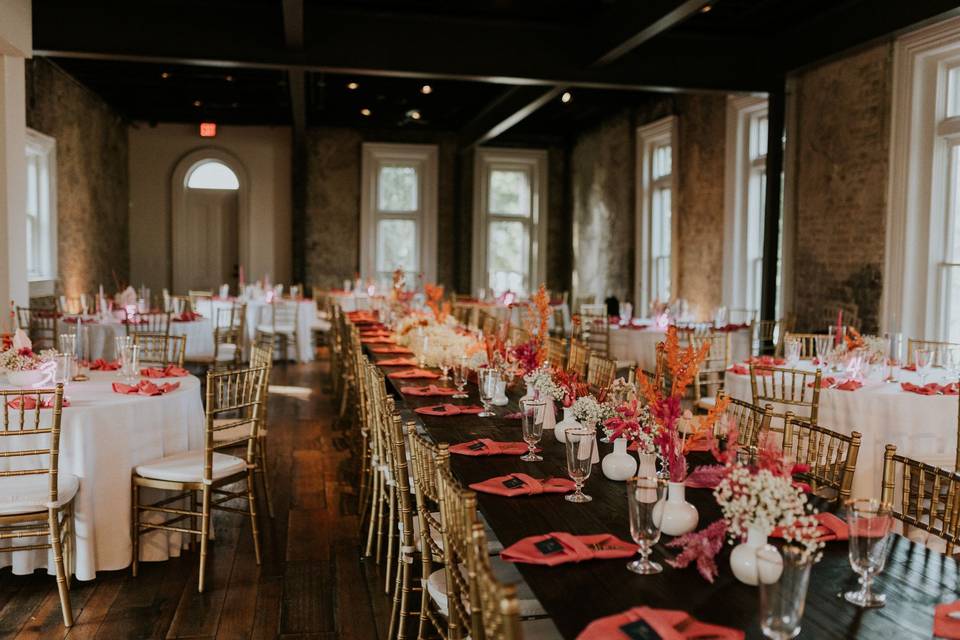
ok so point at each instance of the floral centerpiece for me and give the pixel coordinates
(590, 411)
(441, 309)
(633, 422)
(529, 355)
(541, 380)
(23, 365)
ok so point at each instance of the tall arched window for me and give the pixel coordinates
(213, 174)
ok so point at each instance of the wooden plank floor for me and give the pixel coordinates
(311, 584)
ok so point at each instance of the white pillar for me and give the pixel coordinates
(13, 180)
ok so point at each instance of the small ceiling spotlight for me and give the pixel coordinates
(413, 114)
(566, 97)
(426, 89)
(165, 75)
(365, 112)
(706, 9)
(228, 78)
(353, 86)
(197, 103)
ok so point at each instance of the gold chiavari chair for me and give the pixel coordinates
(37, 497)
(175, 304)
(577, 358)
(939, 349)
(147, 323)
(228, 332)
(595, 327)
(768, 336)
(279, 320)
(381, 494)
(401, 610)
(559, 328)
(208, 472)
(489, 324)
(710, 375)
(751, 420)
(795, 389)
(194, 296)
(42, 325)
(831, 456)
(600, 372)
(160, 349)
(808, 343)
(922, 497)
(557, 352)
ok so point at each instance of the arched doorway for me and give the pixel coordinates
(209, 221)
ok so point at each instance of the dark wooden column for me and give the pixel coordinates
(774, 202)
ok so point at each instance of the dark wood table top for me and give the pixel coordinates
(915, 579)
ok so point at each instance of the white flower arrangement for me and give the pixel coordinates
(542, 381)
(589, 411)
(25, 359)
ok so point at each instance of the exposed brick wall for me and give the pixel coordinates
(842, 164)
(92, 178)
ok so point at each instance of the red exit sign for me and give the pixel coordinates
(208, 129)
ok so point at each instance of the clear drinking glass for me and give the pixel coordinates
(444, 353)
(68, 344)
(460, 370)
(424, 347)
(783, 580)
(531, 413)
(869, 523)
(580, 445)
(119, 344)
(487, 379)
(792, 349)
(824, 345)
(923, 359)
(643, 494)
(130, 362)
(64, 369)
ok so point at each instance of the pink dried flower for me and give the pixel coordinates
(701, 547)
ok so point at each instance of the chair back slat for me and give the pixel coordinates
(236, 396)
(160, 348)
(796, 390)
(32, 436)
(831, 456)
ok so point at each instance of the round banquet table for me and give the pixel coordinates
(99, 338)
(639, 345)
(257, 313)
(104, 435)
(922, 427)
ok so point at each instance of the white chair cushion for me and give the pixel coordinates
(494, 546)
(188, 467)
(706, 403)
(28, 494)
(319, 324)
(226, 352)
(279, 328)
(505, 572)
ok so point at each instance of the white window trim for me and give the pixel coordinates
(736, 270)
(45, 285)
(915, 195)
(648, 136)
(426, 157)
(536, 160)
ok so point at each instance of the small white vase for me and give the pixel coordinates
(677, 516)
(529, 394)
(568, 422)
(500, 397)
(743, 558)
(648, 464)
(619, 465)
(550, 415)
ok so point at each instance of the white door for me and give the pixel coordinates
(205, 245)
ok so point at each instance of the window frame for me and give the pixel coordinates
(424, 158)
(649, 137)
(486, 160)
(45, 147)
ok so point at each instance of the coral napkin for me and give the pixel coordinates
(742, 370)
(559, 548)
(520, 484)
(378, 340)
(170, 371)
(447, 410)
(641, 623)
(397, 362)
(766, 361)
(831, 383)
(102, 365)
(427, 391)
(943, 625)
(829, 527)
(909, 367)
(488, 447)
(931, 389)
(187, 316)
(30, 402)
(394, 349)
(411, 374)
(145, 388)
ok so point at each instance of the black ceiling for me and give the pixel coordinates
(490, 63)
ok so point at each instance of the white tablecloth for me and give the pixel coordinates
(640, 345)
(258, 312)
(99, 338)
(104, 435)
(922, 427)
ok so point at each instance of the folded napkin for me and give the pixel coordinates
(829, 528)
(705, 476)
(397, 362)
(145, 388)
(427, 391)
(447, 410)
(743, 370)
(488, 447)
(909, 367)
(931, 389)
(76, 319)
(559, 548)
(30, 402)
(169, 371)
(943, 625)
(832, 383)
(102, 365)
(766, 361)
(378, 340)
(187, 316)
(411, 374)
(394, 349)
(520, 484)
(645, 623)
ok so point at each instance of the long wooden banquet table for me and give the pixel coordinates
(915, 579)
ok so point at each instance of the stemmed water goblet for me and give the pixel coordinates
(424, 348)
(824, 346)
(580, 445)
(869, 522)
(783, 578)
(119, 343)
(643, 495)
(793, 349)
(923, 360)
(443, 355)
(487, 379)
(460, 370)
(531, 415)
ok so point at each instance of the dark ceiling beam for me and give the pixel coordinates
(511, 107)
(293, 35)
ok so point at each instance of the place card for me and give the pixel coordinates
(640, 630)
(549, 546)
(513, 483)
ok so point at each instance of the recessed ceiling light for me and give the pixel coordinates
(413, 114)
(426, 89)
(566, 97)
(165, 75)
(353, 86)
(228, 78)
(706, 9)
(197, 103)
(365, 112)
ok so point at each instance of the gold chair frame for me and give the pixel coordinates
(710, 375)
(161, 349)
(831, 456)
(41, 325)
(556, 352)
(937, 346)
(601, 372)
(808, 344)
(499, 608)
(578, 358)
(786, 387)
(153, 322)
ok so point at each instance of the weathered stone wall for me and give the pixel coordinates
(842, 165)
(92, 178)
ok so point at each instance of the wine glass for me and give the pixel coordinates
(130, 362)
(443, 354)
(643, 495)
(923, 359)
(793, 349)
(424, 347)
(824, 345)
(119, 343)
(487, 378)
(460, 370)
(580, 446)
(783, 580)
(869, 523)
(531, 414)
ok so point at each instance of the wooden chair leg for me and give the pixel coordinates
(372, 522)
(135, 528)
(204, 536)
(194, 520)
(264, 474)
(391, 536)
(252, 506)
(381, 509)
(62, 578)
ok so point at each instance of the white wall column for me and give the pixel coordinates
(13, 180)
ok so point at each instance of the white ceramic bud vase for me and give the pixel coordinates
(550, 415)
(648, 464)
(529, 394)
(500, 396)
(568, 422)
(619, 465)
(677, 515)
(743, 558)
